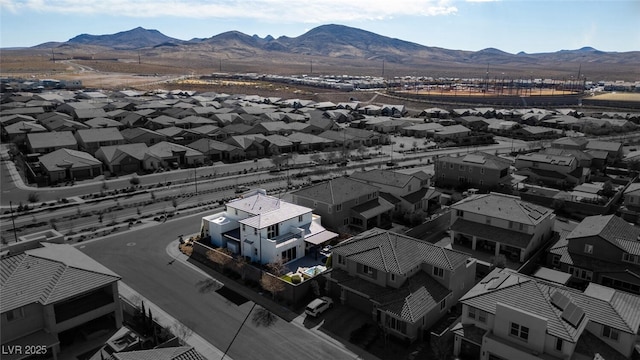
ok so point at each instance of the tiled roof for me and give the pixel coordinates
(386, 177)
(633, 189)
(423, 193)
(50, 139)
(64, 158)
(336, 191)
(373, 208)
(504, 207)
(49, 274)
(136, 151)
(414, 299)
(478, 158)
(285, 211)
(608, 307)
(98, 135)
(166, 149)
(610, 228)
(396, 253)
(171, 353)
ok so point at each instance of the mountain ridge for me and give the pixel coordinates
(337, 41)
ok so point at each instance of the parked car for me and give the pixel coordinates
(318, 306)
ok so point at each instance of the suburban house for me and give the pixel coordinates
(453, 132)
(413, 191)
(123, 159)
(405, 284)
(169, 155)
(570, 143)
(630, 211)
(68, 165)
(508, 315)
(613, 149)
(265, 229)
(46, 142)
(346, 203)
(90, 140)
(50, 292)
(501, 224)
(552, 170)
(17, 132)
(477, 169)
(603, 249)
(218, 151)
(142, 135)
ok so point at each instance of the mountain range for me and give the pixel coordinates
(339, 42)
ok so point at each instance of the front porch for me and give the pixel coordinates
(489, 239)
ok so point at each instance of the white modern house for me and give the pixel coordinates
(265, 229)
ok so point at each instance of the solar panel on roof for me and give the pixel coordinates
(472, 158)
(534, 215)
(560, 300)
(573, 314)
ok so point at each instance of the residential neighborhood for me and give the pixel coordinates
(165, 222)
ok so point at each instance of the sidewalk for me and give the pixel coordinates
(201, 345)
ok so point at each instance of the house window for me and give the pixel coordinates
(345, 221)
(558, 344)
(610, 333)
(459, 213)
(395, 324)
(482, 316)
(299, 218)
(255, 252)
(555, 260)
(470, 169)
(393, 277)
(451, 166)
(472, 313)
(443, 304)
(630, 258)
(439, 272)
(461, 168)
(588, 248)
(488, 221)
(368, 270)
(243, 227)
(341, 260)
(338, 207)
(510, 224)
(15, 314)
(521, 227)
(581, 273)
(520, 331)
(289, 254)
(272, 231)
(255, 231)
(482, 171)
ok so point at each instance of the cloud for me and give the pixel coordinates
(283, 11)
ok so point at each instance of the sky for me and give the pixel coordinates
(532, 26)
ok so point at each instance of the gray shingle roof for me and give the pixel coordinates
(49, 274)
(396, 253)
(504, 207)
(610, 228)
(336, 191)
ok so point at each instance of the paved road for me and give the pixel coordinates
(141, 259)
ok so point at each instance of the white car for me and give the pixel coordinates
(318, 306)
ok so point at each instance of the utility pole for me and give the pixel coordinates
(195, 178)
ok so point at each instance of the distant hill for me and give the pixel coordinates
(132, 39)
(340, 42)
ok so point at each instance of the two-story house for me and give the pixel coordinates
(343, 202)
(52, 290)
(90, 140)
(603, 249)
(265, 229)
(480, 170)
(412, 191)
(553, 170)
(405, 284)
(500, 223)
(508, 315)
(630, 210)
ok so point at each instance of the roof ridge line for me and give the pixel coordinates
(618, 313)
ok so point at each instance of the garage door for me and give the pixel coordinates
(359, 302)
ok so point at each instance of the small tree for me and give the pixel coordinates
(174, 203)
(134, 181)
(272, 284)
(33, 197)
(607, 189)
